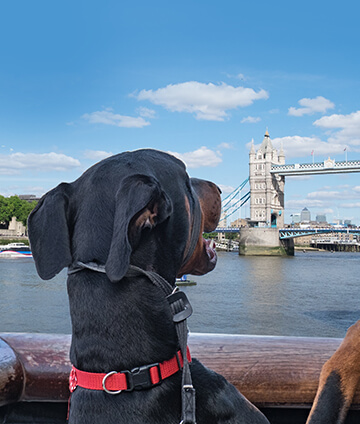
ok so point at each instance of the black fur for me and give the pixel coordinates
(119, 323)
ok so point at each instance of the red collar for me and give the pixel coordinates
(138, 378)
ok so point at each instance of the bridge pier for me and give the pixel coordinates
(262, 241)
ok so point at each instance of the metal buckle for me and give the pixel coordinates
(110, 392)
(139, 378)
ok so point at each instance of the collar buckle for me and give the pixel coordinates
(144, 377)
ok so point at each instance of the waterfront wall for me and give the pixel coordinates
(264, 241)
(337, 247)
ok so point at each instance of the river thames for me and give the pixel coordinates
(310, 294)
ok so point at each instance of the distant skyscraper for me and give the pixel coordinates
(321, 218)
(296, 218)
(305, 215)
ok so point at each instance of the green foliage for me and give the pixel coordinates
(6, 240)
(210, 235)
(14, 206)
(232, 236)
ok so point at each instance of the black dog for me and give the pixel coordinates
(134, 208)
(126, 229)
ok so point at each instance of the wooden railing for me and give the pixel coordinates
(269, 371)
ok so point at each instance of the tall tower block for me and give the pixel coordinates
(266, 189)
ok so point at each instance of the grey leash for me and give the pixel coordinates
(181, 310)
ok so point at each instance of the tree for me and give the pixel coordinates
(14, 206)
(5, 210)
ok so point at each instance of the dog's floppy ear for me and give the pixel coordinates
(140, 204)
(49, 234)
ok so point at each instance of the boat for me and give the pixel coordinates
(15, 250)
(227, 246)
(183, 281)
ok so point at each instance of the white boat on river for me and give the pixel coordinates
(15, 250)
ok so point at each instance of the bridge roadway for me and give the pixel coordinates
(329, 166)
(286, 233)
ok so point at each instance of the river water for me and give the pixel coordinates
(310, 294)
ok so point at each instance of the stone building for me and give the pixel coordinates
(15, 229)
(266, 189)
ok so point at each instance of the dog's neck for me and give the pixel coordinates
(118, 325)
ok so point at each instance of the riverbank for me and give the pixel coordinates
(307, 249)
(9, 239)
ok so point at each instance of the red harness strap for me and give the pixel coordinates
(139, 378)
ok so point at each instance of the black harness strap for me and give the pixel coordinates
(181, 310)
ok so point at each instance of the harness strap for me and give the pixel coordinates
(181, 306)
(181, 310)
(139, 378)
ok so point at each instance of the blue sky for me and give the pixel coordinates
(80, 80)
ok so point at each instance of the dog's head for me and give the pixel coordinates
(136, 207)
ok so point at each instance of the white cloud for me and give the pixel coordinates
(327, 200)
(97, 154)
(146, 112)
(199, 158)
(324, 195)
(297, 146)
(334, 195)
(310, 106)
(350, 205)
(251, 120)
(226, 189)
(301, 203)
(240, 77)
(107, 117)
(17, 162)
(207, 101)
(348, 126)
(225, 146)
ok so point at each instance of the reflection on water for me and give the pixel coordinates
(311, 294)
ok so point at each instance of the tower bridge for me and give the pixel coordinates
(267, 172)
(287, 233)
(329, 166)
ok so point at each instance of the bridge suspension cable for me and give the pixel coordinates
(246, 197)
(237, 202)
(234, 193)
(230, 204)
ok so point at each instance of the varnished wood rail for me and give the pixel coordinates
(269, 371)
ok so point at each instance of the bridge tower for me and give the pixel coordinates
(266, 189)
